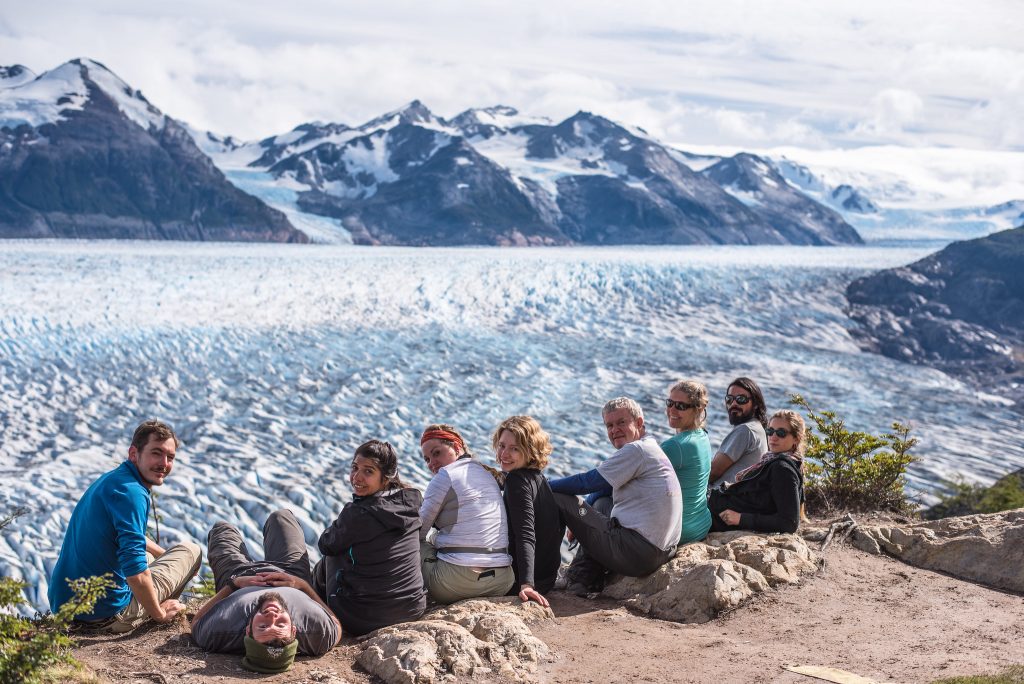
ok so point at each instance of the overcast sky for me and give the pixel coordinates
(751, 74)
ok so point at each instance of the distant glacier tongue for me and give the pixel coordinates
(275, 362)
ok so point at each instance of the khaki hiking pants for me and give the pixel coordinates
(447, 583)
(170, 573)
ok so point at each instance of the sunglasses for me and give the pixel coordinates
(782, 433)
(739, 399)
(678, 405)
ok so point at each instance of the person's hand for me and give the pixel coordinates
(730, 517)
(528, 593)
(249, 581)
(170, 608)
(278, 579)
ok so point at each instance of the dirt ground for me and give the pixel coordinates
(868, 615)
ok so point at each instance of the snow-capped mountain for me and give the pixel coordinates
(491, 176)
(83, 154)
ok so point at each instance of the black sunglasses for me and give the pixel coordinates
(740, 399)
(678, 405)
(779, 432)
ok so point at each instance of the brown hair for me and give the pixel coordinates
(163, 432)
(265, 598)
(530, 437)
(697, 394)
(385, 458)
(755, 396)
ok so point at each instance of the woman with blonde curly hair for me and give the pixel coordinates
(535, 531)
(767, 496)
(469, 555)
(689, 452)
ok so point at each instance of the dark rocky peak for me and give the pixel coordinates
(851, 199)
(581, 130)
(485, 122)
(14, 75)
(744, 171)
(413, 113)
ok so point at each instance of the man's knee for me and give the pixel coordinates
(218, 528)
(281, 515)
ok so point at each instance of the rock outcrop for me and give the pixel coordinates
(473, 638)
(960, 310)
(722, 573)
(982, 548)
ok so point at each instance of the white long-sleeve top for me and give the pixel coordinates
(463, 501)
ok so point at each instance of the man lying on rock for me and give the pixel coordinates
(265, 609)
(107, 534)
(639, 528)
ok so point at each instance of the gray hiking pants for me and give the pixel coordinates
(284, 548)
(605, 545)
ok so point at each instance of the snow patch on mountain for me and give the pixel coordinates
(43, 100)
(46, 98)
(15, 75)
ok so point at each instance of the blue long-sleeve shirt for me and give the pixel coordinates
(107, 533)
(590, 482)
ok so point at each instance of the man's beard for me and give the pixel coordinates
(740, 418)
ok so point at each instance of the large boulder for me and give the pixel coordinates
(721, 573)
(983, 548)
(472, 638)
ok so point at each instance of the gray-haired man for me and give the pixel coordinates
(640, 531)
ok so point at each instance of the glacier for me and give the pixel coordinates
(274, 362)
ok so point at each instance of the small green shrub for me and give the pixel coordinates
(1012, 675)
(29, 647)
(1007, 493)
(848, 470)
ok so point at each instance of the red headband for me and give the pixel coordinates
(445, 435)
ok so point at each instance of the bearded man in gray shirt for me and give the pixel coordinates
(744, 446)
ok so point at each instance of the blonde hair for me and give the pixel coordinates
(697, 393)
(796, 424)
(530, 437)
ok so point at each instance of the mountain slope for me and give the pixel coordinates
(83, 155)
(960, 309)
(490, 176)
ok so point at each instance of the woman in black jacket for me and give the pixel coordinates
(534, 527)
(767, 496)
(372, 551)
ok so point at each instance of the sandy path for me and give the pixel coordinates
(870, 615)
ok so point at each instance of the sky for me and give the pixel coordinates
(814, 75)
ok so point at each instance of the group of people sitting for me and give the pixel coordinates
(475, 531)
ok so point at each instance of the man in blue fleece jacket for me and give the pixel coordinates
(107, 534)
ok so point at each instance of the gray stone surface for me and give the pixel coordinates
(982, 548)
(719, 574)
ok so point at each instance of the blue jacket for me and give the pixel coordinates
(107, 533)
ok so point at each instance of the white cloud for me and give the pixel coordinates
(785, 72)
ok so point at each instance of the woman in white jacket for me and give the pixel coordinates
(469, 554)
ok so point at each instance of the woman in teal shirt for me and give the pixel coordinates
(690, 454)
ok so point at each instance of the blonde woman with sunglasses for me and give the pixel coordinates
(689, 452)
(767, 496)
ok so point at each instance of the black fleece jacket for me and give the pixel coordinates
(768, 500)
(376, 548)
(534, 528)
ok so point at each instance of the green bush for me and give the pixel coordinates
(1005, 494)
(29, 647)
(848, 470)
